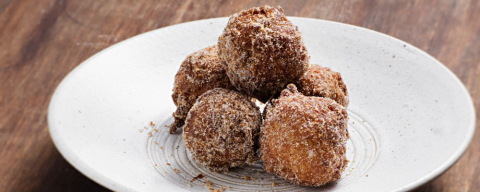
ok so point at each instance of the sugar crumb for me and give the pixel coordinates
(199, 176)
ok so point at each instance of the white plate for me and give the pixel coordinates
(410, 117)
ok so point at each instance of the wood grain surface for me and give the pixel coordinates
(41, 41)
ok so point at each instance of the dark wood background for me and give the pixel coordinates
(42, 40)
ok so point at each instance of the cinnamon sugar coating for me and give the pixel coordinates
(262, 51)
(323, 82)
(221, 129)
(303, 139)
(198, 73)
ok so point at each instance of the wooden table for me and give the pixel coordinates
(41, 41)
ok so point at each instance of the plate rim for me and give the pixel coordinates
(103, 180)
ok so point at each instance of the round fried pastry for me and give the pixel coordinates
(303, 139)
(262, 51)
(323, 82)
(198, 73)
(222, 129)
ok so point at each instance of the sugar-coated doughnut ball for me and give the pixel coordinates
(323, 82)
(303, 138)
(222, 129)
(262, 51)
(199, 72)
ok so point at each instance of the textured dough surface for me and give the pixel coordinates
(262, 51)
(303, 139)
(222, 128)
(323, 82)
(198, 73)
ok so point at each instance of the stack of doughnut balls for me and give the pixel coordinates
(302, 133)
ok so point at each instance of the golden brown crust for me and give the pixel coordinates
(303, 139)
(323, 82)
(263, 51)
(221, 129)
(198, 73)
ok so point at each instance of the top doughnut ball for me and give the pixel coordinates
(262, 51)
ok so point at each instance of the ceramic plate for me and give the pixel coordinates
(410, 117)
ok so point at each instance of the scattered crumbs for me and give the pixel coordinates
(176, 171)
(436, 101)
(208, 183)
(169, 164)
(177, 147)
(216, 190)
(141, 130)
(124, 152)
(404, 45)
(161, 147)
(156, 130)
(274, 184)
(247, 178)
(366, 175)
(431, 129)
(156, 165)
(393, 56)
(152, 124)
(199, 176)
(124, 140)
(156, 142)
(353, 122)
(389, 65)
(150, 134)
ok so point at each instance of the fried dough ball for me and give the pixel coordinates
(263, 51)
(303, 139)
(323, 82)
(222, 129)
(199, 72)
